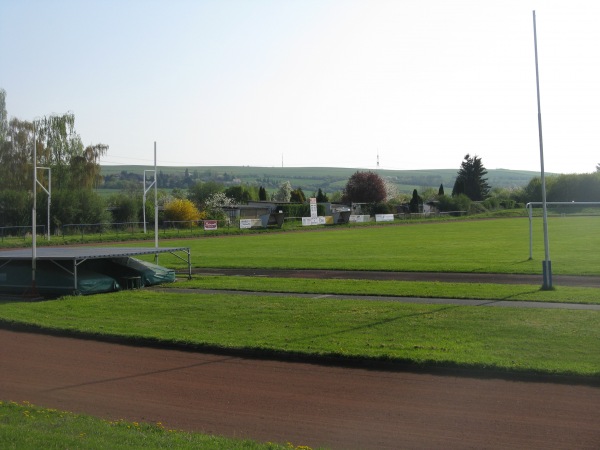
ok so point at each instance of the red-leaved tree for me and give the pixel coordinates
(364, 187)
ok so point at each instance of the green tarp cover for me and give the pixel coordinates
(94, 276)
(51, 280)
(151, 274)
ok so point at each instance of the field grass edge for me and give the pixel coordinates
(447, 368)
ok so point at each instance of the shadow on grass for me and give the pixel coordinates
(378, 323)
(515, 297)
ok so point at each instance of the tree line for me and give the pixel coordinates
(72, 167)
(471, 192)
(125, 179)
(75, 173)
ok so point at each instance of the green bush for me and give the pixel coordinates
(457, 203)
(73, 207)
(126, 208)
(491, 203)
(508, 204)
(380, 208)
(476, 208)
(15, 208)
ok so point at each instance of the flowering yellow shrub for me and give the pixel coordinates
(182, 210)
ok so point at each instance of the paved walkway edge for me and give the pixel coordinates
(432, 301)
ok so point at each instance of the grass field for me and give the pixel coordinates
(422, 289)
(505, 339)
(492, 246)
(27, 427)
(501, 340)
(499, 245)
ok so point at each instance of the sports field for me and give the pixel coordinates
(457, 335)
(501, 341)
(493, 246)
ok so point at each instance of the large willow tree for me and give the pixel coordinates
(58, 146)
(75, 168)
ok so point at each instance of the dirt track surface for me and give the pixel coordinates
(301, 403)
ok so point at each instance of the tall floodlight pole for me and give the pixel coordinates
(547, 264)
(155, 207)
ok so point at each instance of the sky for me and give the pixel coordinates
(406, 84)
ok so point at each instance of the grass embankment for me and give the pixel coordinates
(481, 291)
(24, 426)
(505, 339)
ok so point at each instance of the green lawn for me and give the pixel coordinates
(494, 245)
(511, 340)
(506, 339)
(484, 291)
(27, 427)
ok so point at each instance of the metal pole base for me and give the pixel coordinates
(547, 275)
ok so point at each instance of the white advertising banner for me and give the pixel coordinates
(384, 217)
(309, 221)
(250, 223)
(359, 218)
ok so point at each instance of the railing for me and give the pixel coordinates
(99, 228)
(193, 225)
(22, 231)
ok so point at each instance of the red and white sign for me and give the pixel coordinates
(210, 225)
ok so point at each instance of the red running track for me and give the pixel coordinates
(302, 403)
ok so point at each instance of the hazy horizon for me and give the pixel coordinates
(325, 83)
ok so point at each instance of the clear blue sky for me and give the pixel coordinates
(328, 83)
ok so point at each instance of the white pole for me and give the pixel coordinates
(547, 264)
(49, 197)
(530, 214)
(144, 203)
(47, 191)
(155, 206)
(33, 213)
(146, 190)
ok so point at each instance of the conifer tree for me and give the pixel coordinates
(262, 194)
(471, 179)
(321, 197)
(415, 202)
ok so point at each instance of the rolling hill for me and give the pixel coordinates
(329, 179)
